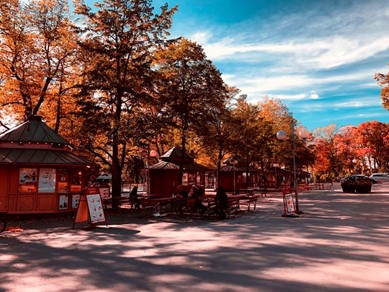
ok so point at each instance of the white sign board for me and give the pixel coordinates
(289, 204)
(95, 206)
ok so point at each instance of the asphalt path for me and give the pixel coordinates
(340, 243)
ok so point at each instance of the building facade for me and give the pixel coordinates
(39, 171)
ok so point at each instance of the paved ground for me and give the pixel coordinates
(340, 243)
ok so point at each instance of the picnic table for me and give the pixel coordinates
(161, 205)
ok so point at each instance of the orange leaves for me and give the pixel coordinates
(38, 45)
(352, 149)
(383, 81)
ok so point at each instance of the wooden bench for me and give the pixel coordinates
(233, 206)
(159, 205)
(108, 201)
(250, 201)
(263, 192)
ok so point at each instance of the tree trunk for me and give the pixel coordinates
(219, 159)
(116, 175)
(116, 165)
(183, 150)
(58, 115)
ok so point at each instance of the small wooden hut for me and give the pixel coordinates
(163, 176)
(234, 175)
(39, 172)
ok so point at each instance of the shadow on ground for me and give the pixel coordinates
(339, 243)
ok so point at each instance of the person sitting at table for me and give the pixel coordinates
(196, 195)
(182, 198)
(221, 201)
(182, 192)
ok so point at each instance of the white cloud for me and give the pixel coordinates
(341, 51)
(258, 86)
(314, 95)
(352, 116)
(318, 54)
(201, 37)
(357, 103)
(350, 103)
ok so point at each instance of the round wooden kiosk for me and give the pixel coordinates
(163, 176)
(39, 173)
(234, 175)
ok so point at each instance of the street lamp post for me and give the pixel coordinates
(281, 135)
(234, 163)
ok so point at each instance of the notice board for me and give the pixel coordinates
(289, 208)
(90, 208)
(289, 204)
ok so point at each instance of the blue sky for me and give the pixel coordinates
(318, 57)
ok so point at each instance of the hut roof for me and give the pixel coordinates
(237, 168)
(233, 158)
(164, 165)
(173, 158)
(33, 142)
(193, 166)
(33, 130)
(40, 157)
(174, 155)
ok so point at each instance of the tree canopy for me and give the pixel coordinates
(117, 42)
(190, 87)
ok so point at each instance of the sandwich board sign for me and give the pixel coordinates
(289, 208)
(90, 208)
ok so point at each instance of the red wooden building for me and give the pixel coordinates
(163, 176)
(235, 175)
(39, 172)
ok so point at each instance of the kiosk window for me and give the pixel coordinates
(47, 179)
(75, 186)
(63, 181)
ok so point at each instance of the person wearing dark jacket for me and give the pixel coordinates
(221, 201)
(196, 195)
(134, 201)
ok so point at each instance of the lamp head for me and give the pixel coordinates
(281, 135)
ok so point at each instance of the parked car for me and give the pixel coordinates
(380, 177)
(357, 183)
